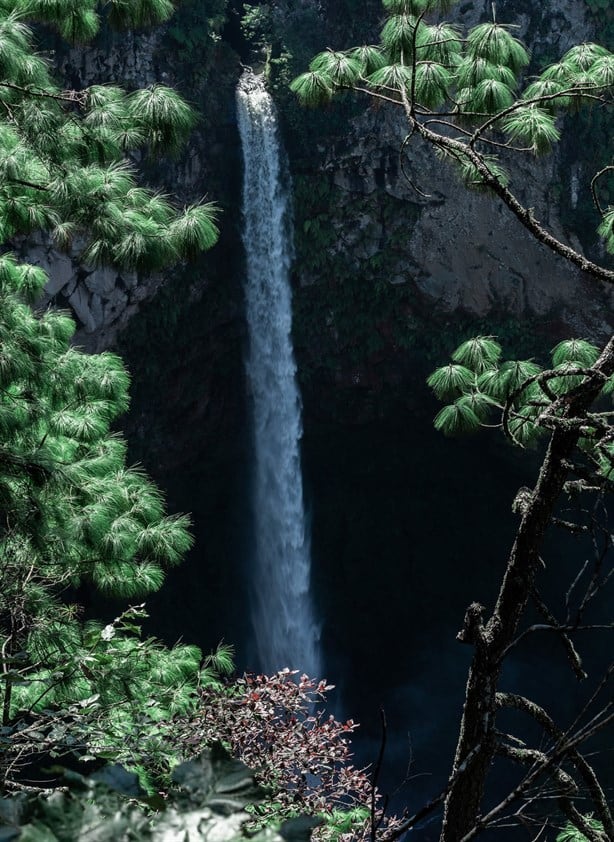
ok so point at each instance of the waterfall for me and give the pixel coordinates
(284, 628)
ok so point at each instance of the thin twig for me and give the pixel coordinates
(594, 180)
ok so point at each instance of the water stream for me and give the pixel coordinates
(285, 631)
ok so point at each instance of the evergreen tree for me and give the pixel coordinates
(466, 94)
(71, 510)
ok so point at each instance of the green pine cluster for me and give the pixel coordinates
(572, 834)
(64, 168)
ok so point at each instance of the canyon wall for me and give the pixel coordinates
(398, 240)
(394, 257)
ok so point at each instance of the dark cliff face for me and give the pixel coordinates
(386, 279)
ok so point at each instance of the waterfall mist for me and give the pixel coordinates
(284, 627)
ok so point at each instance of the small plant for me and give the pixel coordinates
(113, 699)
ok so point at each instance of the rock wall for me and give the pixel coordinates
(390, 244)
(102, 300)
(453, 252)
(463, 250)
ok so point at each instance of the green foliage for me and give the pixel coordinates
(192, 231)
(115, 694)
(62, 154)
(499, 383)
(450, 381)
(166, 116)
(582, 57)
(572, 834)
(397, 37)
(456, 418)
(416, 7)
(146, 13)
(472, 72)
(493, 43)
(341, 68)
(313, 88)
(532, 126)
(207, 792)
(470, 112)
(73, 511)
(431, 84)
(338, 822)
(394, 77)
(480, 384)
(577, 351)
(79, 20)
(369, 58)
(546, 89)
(478, 354)
(488, 97)
(442, 41)
(473, 177)
(606, 229)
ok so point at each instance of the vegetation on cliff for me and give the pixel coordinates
(73, 511)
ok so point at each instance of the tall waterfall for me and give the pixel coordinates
(285, 630)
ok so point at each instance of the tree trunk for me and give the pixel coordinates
(477, 741)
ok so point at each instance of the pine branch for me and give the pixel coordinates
(525, 215)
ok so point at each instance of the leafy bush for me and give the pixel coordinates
(302, 755)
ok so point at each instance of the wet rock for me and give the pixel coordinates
(80, 303)
(60, 269)
(102, 282)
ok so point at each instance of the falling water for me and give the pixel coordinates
(284, 628)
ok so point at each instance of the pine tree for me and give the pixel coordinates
(71, 510)
(467, 96)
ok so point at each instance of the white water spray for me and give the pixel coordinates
(285, 631)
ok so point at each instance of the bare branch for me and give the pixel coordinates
(404, 171)
(594, 181)
(376, 824)
(574, 657)
(69, 96)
